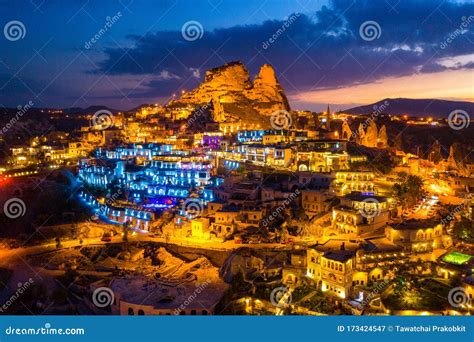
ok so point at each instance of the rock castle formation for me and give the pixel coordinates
(235, 97)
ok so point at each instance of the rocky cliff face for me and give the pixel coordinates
(229, 82)
(372, 137)
(238, 97)
(267, 90)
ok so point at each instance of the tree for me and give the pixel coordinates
(408, 189)
(464, 230)
(58, 242)
(126, 227)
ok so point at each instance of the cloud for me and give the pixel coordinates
(323, 50)
(165, 75)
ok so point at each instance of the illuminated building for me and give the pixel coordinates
(271, 137)
(200, 228)
(322, 155)
(456, 264)
(360, 214)
(336, 272)
(418, 235)
(346, 182)
(294, 271)
(194, 288)
(314, 201)
(277, 155)
(340, 266)
(331, 270)
(210, 140)
(162, 177)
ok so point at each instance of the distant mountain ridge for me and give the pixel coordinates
(415, 107)
(90, 109)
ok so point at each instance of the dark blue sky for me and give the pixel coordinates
(319, 57)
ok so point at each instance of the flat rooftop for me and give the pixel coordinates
(416, 224)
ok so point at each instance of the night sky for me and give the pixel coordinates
(421, 49)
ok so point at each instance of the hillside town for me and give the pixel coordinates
(225, 200)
